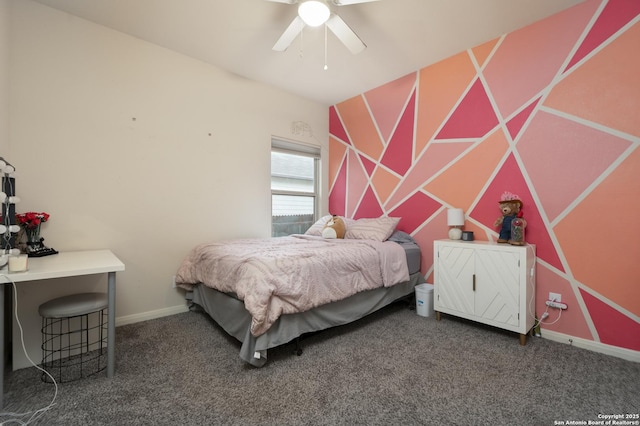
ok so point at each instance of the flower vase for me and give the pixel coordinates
(34, 241)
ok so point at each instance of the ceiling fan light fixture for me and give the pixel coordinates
(314, 13)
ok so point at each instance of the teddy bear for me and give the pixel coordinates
(511, 222)
(334, 228)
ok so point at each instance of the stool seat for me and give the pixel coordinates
(74, 337)
(73, 305)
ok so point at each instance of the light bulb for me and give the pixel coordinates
(3, 197)
(14, 200)
(314, 13)
(14, 228)
(3, 229)
(8, 168)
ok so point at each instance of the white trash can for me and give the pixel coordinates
(424, 299)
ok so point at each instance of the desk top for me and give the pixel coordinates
(65, 264)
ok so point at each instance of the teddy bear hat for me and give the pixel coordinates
(508, 197)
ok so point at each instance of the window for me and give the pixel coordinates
(294, 187)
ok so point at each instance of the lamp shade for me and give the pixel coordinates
(314, 13)
(455, 217)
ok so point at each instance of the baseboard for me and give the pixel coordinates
(603, 348)
(144, 316)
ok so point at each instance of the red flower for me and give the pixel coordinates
(31, 219)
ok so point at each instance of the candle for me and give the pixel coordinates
(18, 263)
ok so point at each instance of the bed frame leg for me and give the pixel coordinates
(298, 348)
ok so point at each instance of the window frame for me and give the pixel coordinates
(303, 150)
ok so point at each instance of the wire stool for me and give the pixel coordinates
(74, 336)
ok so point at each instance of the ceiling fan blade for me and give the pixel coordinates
(347, 2)
(289, 34)
(287, 1)
(345, 34)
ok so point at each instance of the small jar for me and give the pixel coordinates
(517, 231)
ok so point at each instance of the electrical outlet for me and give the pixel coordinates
(556, 297)
(173, 282)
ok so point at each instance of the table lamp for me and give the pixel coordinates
(455, 219)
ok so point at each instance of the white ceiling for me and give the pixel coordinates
(402, 36)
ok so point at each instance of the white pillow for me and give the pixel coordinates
(316, 228)
(378, 229)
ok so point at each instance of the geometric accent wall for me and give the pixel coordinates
(550, 112)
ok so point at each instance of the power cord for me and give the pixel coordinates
(17, 418)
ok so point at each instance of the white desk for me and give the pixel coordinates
(61, 265)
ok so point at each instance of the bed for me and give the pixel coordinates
(269, 292)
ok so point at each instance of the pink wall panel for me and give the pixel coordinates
(473, 118)
(613, 328)
(387, 102)
(398, 155)
(616, 14)
(335, 126)
(433, 160)
(574, 146)
(527, 60)
(358, 182)
(573, 321)
(567, 142)
(337, 153)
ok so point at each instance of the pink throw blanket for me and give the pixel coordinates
(292, 274)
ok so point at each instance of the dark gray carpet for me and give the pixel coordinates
(391, 368)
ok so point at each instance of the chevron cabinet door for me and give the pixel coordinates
(486, 282)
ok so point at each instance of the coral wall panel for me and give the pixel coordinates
(384, 183)
(602, 249)
(606, 88)
(482, 52)
(460, 184)
(511, 115)
(361, 127)
(440, 88)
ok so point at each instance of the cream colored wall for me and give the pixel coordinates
(139, 149)
(4, 78)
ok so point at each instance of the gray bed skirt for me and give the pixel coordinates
(232, 316)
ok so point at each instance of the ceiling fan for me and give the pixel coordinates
(315, 13)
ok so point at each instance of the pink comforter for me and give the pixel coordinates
(292, 274)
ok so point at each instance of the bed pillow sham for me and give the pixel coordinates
(378, 229)
(316, 228)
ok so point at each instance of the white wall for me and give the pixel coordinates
(133, 147)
